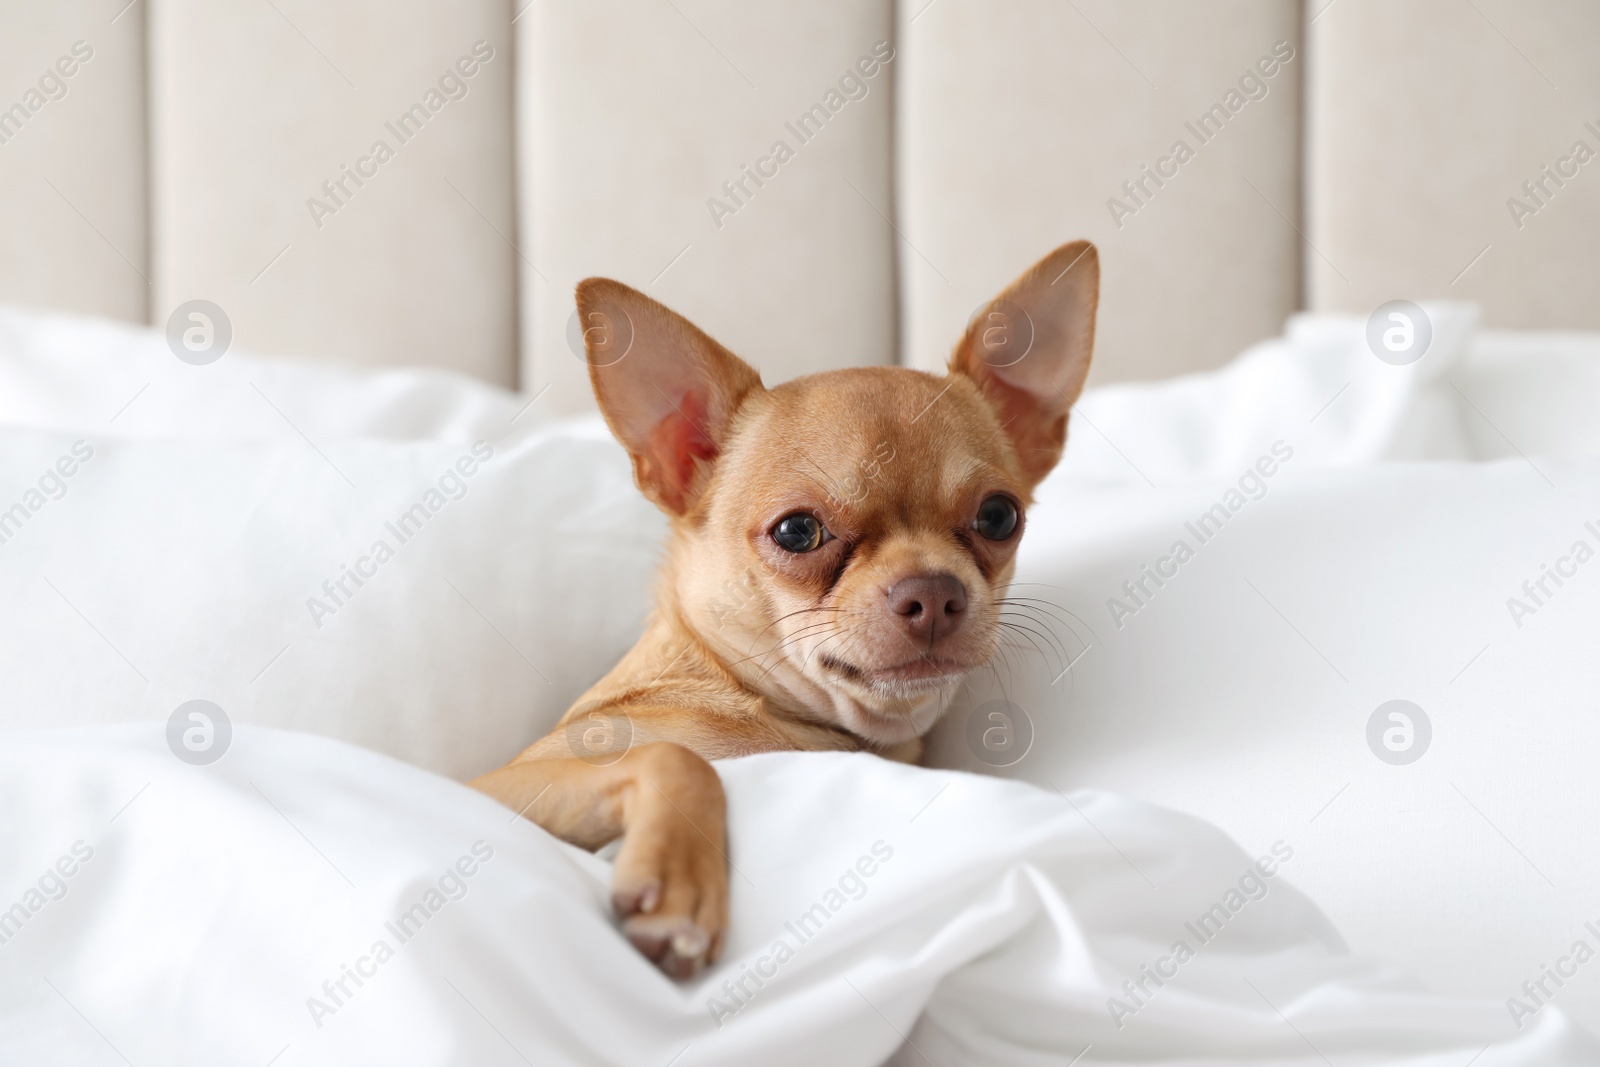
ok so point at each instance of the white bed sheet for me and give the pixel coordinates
(1378, 564)
(215, 914)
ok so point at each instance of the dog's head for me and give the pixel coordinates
(843, 541)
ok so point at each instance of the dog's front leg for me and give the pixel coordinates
(670, 882)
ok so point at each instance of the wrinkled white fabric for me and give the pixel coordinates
(304, 588)
(1472, 395)
(970, 920)
(1381, 561)
(1475, 394)
(109, 379)
(1241, 689)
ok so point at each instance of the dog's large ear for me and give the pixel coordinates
(667, 390)
(1029, 349)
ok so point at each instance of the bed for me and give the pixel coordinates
(1202, 746)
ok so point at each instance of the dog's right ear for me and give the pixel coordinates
(667, 390)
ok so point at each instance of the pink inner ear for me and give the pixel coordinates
(1037, 427)
(678, 444)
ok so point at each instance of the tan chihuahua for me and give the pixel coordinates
(840, 549)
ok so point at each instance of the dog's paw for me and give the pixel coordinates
(670, 881)
(676, 944)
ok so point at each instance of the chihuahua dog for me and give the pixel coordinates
(840, 549)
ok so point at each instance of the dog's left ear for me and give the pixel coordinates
(1028, 351)
(667, 390)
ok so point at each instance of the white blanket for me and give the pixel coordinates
(302, 901)
(191, 557)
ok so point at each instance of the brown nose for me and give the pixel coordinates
(929, 605)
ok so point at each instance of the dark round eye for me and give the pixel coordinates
(997, 518)
(799, 533)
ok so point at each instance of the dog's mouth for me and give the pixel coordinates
(924, 672)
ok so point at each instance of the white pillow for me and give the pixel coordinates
(1241, 690)
(1319, 386)
(161, 572)
(111, 380)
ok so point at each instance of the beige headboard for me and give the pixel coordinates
(1335, 154)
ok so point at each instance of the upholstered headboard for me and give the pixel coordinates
(819, 184)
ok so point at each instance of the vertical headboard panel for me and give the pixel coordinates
(330, 176)
(1432, 123)
(230, 152)
(649, 138)
(1023, 125)
(72, 157)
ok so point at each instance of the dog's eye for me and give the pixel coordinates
(997, 518)
(799, 533)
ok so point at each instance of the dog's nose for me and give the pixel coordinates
(930, 605)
